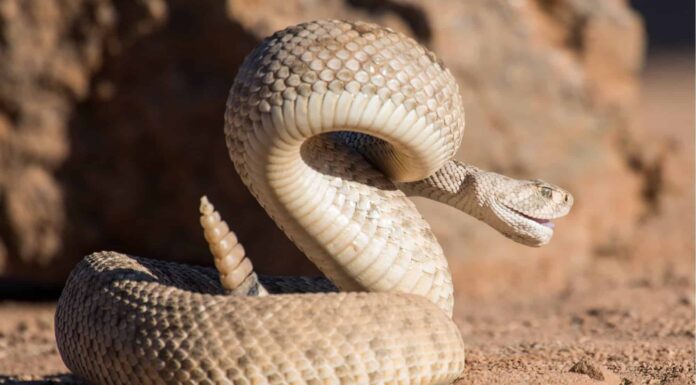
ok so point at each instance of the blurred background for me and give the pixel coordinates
(111, 116)
(111, 129)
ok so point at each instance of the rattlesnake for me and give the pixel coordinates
(331, 125)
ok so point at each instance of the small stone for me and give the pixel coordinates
(588, 368)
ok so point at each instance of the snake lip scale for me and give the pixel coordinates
(332, 125)
(542, 221)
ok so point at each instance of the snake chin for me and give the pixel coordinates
(527, 229)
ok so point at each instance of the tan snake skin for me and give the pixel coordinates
(331, 125)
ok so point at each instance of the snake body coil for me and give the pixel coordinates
(330, 124)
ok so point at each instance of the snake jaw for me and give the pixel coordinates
(524, 228)
(542, 221)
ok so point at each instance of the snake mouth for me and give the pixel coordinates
(541, 221)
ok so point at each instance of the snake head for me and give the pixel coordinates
(523, 210)
(520, 209)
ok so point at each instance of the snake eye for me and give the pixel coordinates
(546, 192)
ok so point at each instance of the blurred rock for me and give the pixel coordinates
(48, 52)
(111, 127)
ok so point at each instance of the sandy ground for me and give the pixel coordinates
(634, 334)
(635, 330)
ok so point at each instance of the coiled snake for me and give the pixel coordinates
(331, 125)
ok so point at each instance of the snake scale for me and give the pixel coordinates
(332, 125)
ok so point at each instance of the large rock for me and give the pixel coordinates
(111, 126)
(48, 52)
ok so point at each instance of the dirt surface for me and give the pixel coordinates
(625, 319)
(639, 333)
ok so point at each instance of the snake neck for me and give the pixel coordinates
(456, 184)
